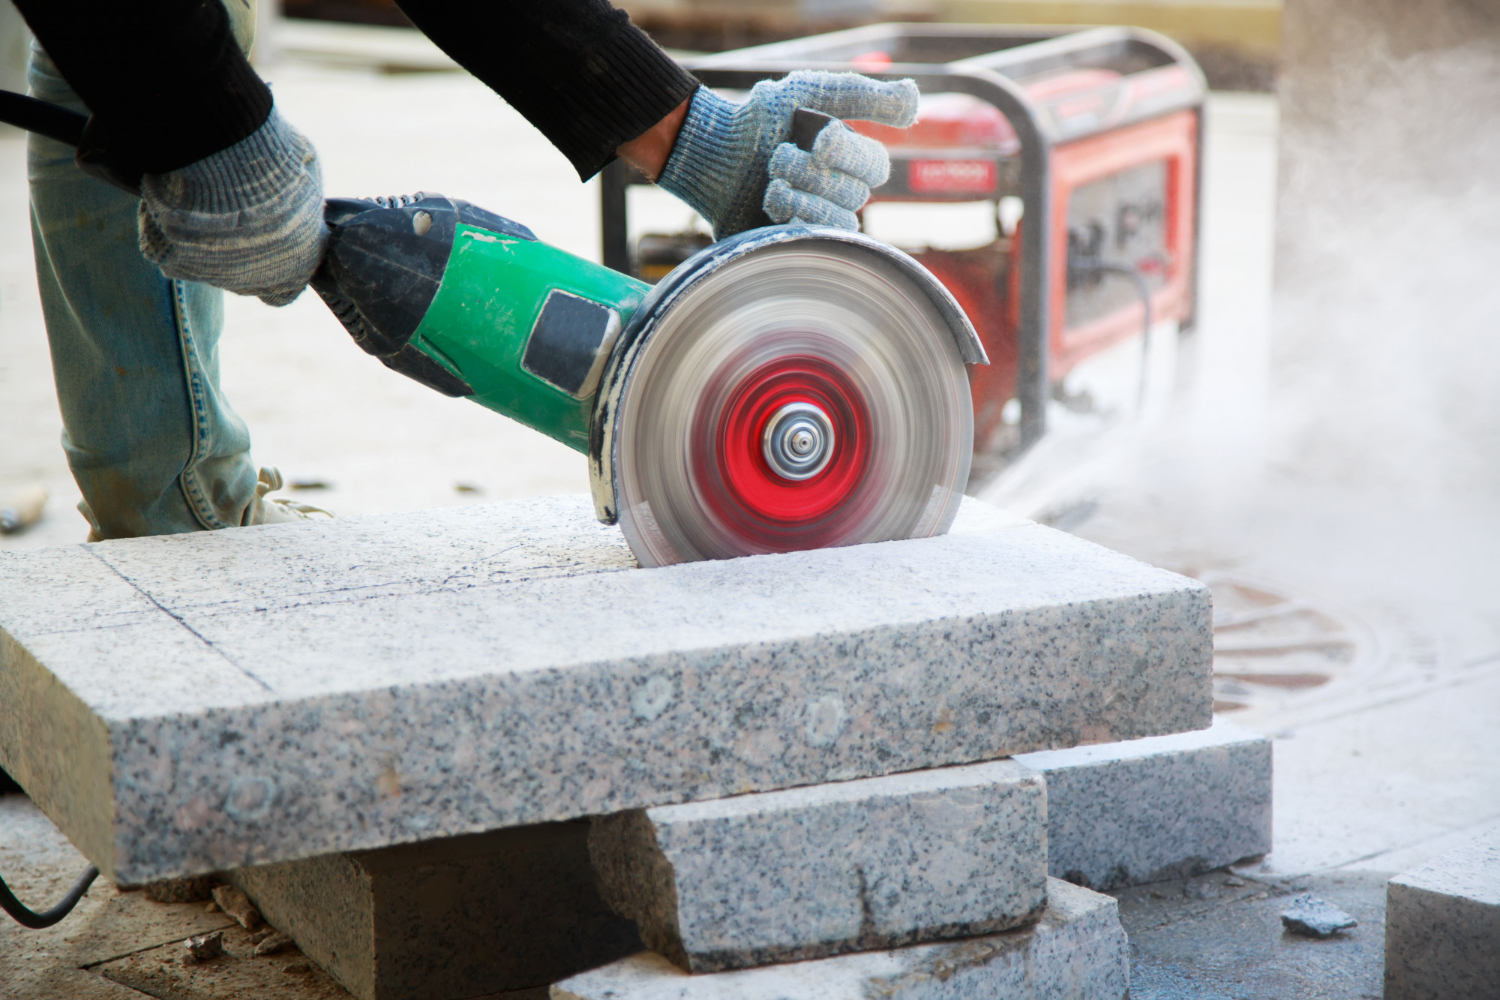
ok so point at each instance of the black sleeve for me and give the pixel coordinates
(164, 78)
(577, 69)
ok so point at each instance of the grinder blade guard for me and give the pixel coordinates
(792, 387)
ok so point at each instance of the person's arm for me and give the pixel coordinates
(231, 194)
(578, 70)
(165, 79)
(598, 87)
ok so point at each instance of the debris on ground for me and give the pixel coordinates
(297, 969)
(203, 947)
(193, 889)
(1233, 882)
(1200, 890)
(273, 944)
(1312, 917)
(21, 511)
(238, 906)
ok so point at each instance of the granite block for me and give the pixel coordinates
(1077, 951)
(265, 694)
(1442, 926)
(447, 919)
(1160, 808)
(817, 871)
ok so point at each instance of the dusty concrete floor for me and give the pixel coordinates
(1386, 758)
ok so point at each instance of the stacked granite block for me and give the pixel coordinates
(775, 885)
(1076, 951)
(871, 869)
(405, 737)
(930, 884)
(1159, 808)
(810, 872)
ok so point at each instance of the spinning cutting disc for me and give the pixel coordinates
(806, 394)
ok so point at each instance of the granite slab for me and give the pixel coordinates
(1442, 926)
(821, 870)
(448, 919)
(224, 699)
(1077, 951)
(1160, 808)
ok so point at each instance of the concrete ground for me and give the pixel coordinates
(1356, 626)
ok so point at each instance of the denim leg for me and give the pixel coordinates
(151, 441)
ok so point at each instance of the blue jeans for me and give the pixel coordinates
(150, 438)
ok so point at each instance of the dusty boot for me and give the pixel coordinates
(277, 510)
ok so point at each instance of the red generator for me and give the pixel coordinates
(1091, 138)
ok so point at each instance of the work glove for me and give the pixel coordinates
(248, 219)
(734, 163)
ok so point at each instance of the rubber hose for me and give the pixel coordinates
(36, 921)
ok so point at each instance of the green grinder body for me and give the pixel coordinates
(472, 304)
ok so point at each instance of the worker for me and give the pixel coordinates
(232, 198)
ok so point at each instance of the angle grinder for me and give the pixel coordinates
(791, 387)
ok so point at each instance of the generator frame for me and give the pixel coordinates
(992, 63)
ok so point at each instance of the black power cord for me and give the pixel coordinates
(42, 118)
(22, 914)
(36, 921)
(1079, 265)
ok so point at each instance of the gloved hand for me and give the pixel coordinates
(735, 165)
(248, 218)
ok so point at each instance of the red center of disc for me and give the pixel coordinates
(751, 480)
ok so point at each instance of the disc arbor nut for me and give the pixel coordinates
(798, 441)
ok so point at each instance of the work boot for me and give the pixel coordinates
(277, 510)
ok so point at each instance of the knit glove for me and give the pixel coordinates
(735, 165)
(248, 218)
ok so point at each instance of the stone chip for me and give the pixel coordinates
(1313, 917)
(203, 947)
(273, 944)
(237, 906)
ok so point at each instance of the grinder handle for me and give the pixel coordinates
(806, 124)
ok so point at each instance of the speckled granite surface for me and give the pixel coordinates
(1077, 951)
(1165, 807)
(1442, 926)
(239, 697)
(847, 866)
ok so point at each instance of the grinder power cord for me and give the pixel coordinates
(32, 920)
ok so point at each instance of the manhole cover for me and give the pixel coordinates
(1272, 648)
